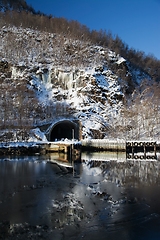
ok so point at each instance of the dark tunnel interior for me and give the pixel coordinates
(63, 130)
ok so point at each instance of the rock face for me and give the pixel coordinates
(5, 69)
(60, 78)
(69, 77)
(90, 92)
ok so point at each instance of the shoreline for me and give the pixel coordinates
(97, 145)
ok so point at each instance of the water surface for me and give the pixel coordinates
(103, 197)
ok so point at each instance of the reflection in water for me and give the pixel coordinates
(130, 172)
(103, 199)
(104, 156)
(61, 159)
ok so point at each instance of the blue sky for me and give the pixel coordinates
(137, 22)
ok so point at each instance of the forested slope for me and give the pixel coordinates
(51, 67)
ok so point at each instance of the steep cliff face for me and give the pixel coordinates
(70, 77)
(94, 93)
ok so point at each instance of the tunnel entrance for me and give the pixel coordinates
(64, 129)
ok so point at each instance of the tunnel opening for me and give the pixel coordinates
(63, 130)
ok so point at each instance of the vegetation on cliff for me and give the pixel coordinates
(52, 67)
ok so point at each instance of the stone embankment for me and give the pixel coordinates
(19, 148)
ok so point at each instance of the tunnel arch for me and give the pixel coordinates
(63, 129)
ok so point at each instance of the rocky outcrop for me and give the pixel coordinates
(5, 69)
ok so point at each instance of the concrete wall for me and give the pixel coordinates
(104, 144)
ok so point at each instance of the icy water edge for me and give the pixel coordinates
(100, 198)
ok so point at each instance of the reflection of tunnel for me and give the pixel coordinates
(63, 130)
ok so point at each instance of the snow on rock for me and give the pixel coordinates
(37, 136)
(120, 60)
(80, 78)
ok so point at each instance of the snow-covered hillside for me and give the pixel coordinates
(88, 82)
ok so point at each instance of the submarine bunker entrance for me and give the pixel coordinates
(64, 129)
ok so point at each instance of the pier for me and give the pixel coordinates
(133, 149)
(141, 149)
